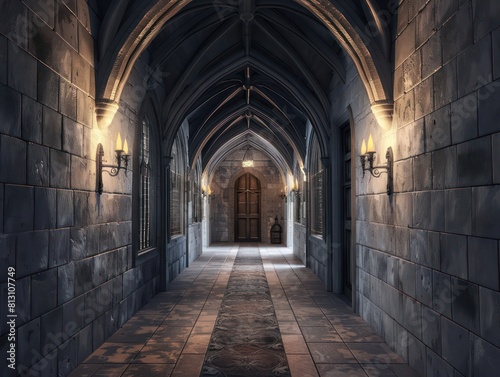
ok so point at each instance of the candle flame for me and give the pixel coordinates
(125, 147)
(371, 147)
(119, 142)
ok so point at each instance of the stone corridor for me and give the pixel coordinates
(171, 334)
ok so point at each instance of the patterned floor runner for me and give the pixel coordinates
(246, 341)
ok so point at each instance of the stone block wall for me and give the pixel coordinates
(76, 280)
(428, 255)
(195, 241)
(176, 257)
(317, 257)
(299, 242)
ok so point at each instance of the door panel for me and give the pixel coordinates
(241, 228)
(254, 229)
(241, 203)
(254, 203)
(247, 208)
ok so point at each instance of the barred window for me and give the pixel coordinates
(176, 190)
(299, 196)
(316, 168)
(196, 201)
(145, 188)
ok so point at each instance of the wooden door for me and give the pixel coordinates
(247, 206)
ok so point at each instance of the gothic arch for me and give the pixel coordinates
(230, 187)
(146, 18)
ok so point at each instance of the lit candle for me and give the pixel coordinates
(371, 147)
(119, 143)
(125, 147)
(363, 147)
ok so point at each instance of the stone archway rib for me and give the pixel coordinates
(142, 25)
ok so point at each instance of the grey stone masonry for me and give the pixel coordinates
(71, 248)
(443, 231)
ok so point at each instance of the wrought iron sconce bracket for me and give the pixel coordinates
(367, 164)
(122, 160)
(296, 192)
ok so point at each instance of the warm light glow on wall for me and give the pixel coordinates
(367, 158)
(247, 164)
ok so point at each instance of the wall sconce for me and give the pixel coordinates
(295, 189)
(367, 157)
(206, 191)
(283, 194)
(121, 156)
(247, 161)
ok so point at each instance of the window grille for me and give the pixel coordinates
(145, 188)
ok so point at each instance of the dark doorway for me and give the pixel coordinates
(247, 206)
(346, 211)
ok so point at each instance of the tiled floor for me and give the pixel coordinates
(170, 335)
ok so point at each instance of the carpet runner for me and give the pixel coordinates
(246, 341)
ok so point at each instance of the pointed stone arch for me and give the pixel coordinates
(143, 23)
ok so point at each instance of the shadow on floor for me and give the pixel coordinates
(170, 336)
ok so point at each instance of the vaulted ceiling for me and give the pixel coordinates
(237, 67)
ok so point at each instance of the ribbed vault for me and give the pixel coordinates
(232, 67)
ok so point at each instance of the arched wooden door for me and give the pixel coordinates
(247, 208)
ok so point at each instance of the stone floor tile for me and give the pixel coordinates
(312, 321)
(378, 370)
(302, 366)
(110, 370)
(170, 335)
(374, 353)
(294, 344)
(358, 334)
(320, 334)
(331, 353)
(284, 315)
(308, 311)
(188, 365)
(159, 353)
(197, 344)
(149, 370)
(341, 370)
(133, 334)
(289, 328)
(85, 370)
(203, 327)
(347, 320)
(145, 320)
(114, 353)
(180, 322)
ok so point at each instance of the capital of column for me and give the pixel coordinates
(383, 111)
(105, 111)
